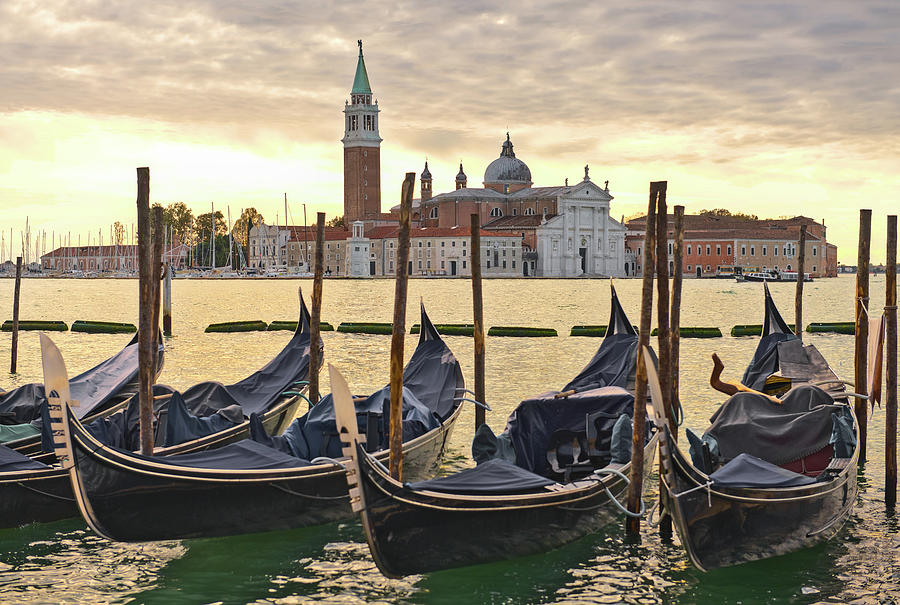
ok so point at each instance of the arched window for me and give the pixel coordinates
(496, 212)
(528, 211)
(433, 213)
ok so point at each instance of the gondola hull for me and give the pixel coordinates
(412, 532)
(129, 499)
(45, 495)
(724, 527)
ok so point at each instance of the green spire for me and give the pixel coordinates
(361, 81)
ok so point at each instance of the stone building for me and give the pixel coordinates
(362, 150)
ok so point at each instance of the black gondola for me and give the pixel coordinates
(500, 509)
(245, 486)
(36, 489)
(99, 391)
(766, 479)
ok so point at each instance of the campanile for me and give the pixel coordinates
(362, 150)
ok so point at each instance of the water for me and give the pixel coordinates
(65, 562)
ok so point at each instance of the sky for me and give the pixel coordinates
(772, 109)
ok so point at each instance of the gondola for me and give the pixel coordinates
(245, 486)
(37, 489)
(565, 479)
(99, 391)
(767, 478)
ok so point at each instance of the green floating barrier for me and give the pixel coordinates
(835, 327)
(590, 330)
(238, 326)
(103, 327)
(694, 332)
(365, 328)
(520, 331)
(324, 326)
(448, 329)
(47, 326)
(749, 329)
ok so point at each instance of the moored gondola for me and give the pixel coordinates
(770, 476)
(559, 472)
(36, 489)
(245, 486)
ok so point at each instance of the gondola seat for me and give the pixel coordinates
(494, 477)
(751, 472)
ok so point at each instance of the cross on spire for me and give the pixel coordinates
(359, 42)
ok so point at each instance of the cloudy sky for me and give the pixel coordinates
(771, 108)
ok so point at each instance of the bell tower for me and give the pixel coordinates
(362, 150)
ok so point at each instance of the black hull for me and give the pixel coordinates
(731, 526)
(412, 532)
(134, 500)
(42, 496)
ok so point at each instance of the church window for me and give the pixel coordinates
(391, 266)
(752, 250)
(464, 264)
(689, 253)
(729, 250)
(743, 250)
(391, 255)
(775, 251)
(506, 189)
(814, 268)
(496, 212)
(442, 264)
(670, 248)
(764, 250)
(420, 244)
(434, 212)
(814, 252)
(718, 250)
(443, 243)
(707, 249)
(453, 244)
(429, 244)
(515, 211)
(528, 211)
(545, 210)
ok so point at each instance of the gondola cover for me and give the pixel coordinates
(494, 477)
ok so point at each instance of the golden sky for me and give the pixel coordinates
(769, 108)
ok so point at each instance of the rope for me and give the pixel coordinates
(705, 486)
(323, 459)
(653, 510)
(612, 498)
(43, 493)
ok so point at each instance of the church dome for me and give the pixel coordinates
(507, 169)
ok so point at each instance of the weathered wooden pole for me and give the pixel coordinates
(662, 322)
(801, 269)
(315, 317)
(156, 271)
(636, 486)
(167, 301)
(478, 317)
(399, 329)
(862, 326)
(890, 378)
(15, 327)
(675, 324)
(146, 354)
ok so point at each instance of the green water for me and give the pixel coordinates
(66, 563)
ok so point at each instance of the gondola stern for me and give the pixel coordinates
(618, 320)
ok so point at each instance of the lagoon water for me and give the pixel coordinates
(65, 562)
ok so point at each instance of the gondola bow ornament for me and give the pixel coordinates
(345, 415)
(56, 386)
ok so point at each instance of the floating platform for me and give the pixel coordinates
(38, 324)
(697, 332)
(103, 327)
(834, 327)
(365, 328)
(324, 326)
(448, 329)
(521, 331)
(238, 326)
(750, 329)
(590, 330)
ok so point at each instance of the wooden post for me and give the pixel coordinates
(662, 322)
(862, 326)
(801, 269)
(315, 317)
(167, 301)
(675, 324)
(156, 272)
(399, 329)
(636, 486)
(15, 328)
(890, 325)
(146, 354)
(478, 317)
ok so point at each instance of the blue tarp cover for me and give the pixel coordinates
(534, 420)
(750, 471)
(492, 477)
(243, 455)
(183, 426)
(11, 460)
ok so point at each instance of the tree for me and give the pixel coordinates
(724, 212)
(241, 229)
(203, 225)
(337, 221)
(179, 217)
(118, 234)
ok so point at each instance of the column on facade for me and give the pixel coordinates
(596, 244)
(606, 241)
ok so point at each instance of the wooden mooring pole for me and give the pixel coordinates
(636, 486)
(146, 354)
(862, 326)
(315, 316)
(663, 311)
(156, 269)
(801, 271)
(167, 301)
(675, 322)
(14, 352)
(890, 326)
(478, 318)
(399, 329)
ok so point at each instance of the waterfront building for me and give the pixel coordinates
(716, 243)
(102, 259)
